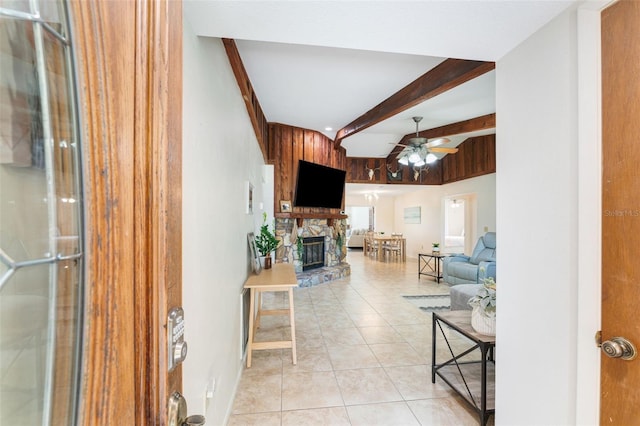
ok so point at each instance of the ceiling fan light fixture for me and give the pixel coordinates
(417, 120)
(414, 157)
(418, 150)
(431, 158)
(417, 140)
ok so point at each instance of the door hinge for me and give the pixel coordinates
(598, 338)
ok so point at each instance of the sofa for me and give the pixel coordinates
(460, 295)
(461, 269)
(356, 238)
(465, 273)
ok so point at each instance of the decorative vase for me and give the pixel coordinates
(267, 262)
(482, 324)
(435, 249)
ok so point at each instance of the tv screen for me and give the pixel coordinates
(319, 186)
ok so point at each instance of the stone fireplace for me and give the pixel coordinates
(334, 250)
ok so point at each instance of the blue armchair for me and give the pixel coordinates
(460, 269)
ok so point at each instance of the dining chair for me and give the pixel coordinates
(393, 248)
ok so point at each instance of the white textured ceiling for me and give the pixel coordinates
(471, 29)
(315, 87)
(315, 64)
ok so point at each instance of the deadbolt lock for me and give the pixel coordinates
(177, 347)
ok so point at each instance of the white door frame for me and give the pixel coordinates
(589, 211)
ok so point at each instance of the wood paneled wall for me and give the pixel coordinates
(383, 173)
(287, 145)
(475, 157)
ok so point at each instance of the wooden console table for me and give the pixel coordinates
(281, 277)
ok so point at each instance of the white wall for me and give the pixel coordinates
(537, 202)
(217, 134)
(484, 188)
(431, 201)
(385, 215)
(420, 236)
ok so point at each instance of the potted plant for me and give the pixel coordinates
(435, 247)
(266, 242)
(299, 248)
(483, 315)
(337, 230)
(339, 242)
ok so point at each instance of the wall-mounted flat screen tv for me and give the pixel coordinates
(319, 186)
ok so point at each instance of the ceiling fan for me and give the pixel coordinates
(420, 150)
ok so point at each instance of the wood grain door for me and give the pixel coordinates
(620, 380)
(129, 60)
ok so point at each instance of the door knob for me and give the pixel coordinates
(619, 347)
(195, 420)
(177, 412)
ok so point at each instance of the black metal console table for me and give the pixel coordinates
(473, 380)
(430, 264)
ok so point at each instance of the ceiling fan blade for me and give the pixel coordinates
(444, 150)
(398, 144)
(438, 142)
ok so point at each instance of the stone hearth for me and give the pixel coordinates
(321, 275)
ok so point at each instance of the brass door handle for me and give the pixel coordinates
(194, 420)
(177, 412)
(619, 347)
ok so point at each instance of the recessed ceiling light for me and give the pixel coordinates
(328, 129)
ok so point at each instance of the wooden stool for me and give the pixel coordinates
(281, 277)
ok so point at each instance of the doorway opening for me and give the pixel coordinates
(454, 230)
(360, 217)
(459, 223)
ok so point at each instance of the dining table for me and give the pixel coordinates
(378, 242)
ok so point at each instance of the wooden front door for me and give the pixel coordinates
(129, 61)
(620, 380)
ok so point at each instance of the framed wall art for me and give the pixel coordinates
(285, 206)
(255, 259)
(412, 215)
(249, 197)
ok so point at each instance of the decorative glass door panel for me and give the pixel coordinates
(41, 236)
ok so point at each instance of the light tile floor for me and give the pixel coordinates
(364, 356)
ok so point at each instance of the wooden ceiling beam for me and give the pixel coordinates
(483, 122)
(256, 115)
(447, 75)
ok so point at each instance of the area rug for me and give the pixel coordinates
(430, 302)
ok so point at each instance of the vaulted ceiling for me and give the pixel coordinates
(326, 64)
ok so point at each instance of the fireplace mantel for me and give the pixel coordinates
(299, 217)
